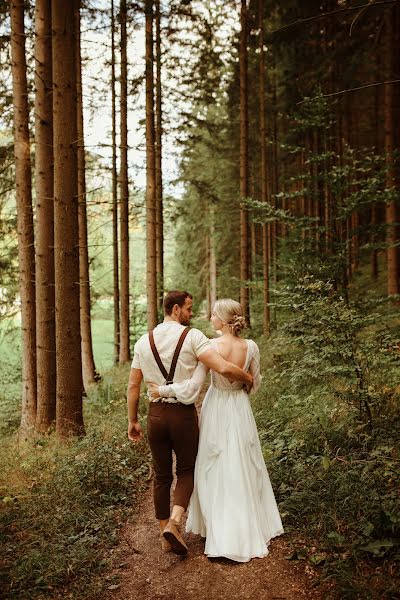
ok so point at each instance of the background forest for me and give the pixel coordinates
(245, 149)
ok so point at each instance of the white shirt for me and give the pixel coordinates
(166, 336)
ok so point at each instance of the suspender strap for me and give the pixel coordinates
(157, 356)
(169, 377)
(177, 352)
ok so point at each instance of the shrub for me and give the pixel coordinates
(328, 416)
(63, 504)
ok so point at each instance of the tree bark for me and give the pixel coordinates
(45, 308)
(374, 261)
(150, 175)
(114, 194)
(275, 187)
(392, 143)
(244, 164)
(89, 372)
(158, 150)
(124, 350)
(213, 261)
(317, 188)
(23, 183)
(266, 229)
(69, 418)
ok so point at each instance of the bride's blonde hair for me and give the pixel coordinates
(231, 313)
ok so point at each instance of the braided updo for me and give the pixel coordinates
(231, 313)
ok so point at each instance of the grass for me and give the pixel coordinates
(63, 504)
(11, 368)
(103, 343)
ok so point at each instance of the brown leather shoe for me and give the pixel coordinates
(172, 534)
(165, 545)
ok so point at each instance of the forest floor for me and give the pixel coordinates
(144, 571)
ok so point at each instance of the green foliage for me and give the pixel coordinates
(8, 223)
(344, 344)
(62, 506)
(329, 421)
(10, 375)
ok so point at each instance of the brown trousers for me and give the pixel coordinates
(172, 427)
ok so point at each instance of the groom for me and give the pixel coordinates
(170, 353)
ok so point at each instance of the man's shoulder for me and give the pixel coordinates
(199, 342)
(143, 339)
(198, 333)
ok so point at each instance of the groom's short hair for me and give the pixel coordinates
(175, 297)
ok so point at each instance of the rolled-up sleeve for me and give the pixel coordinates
(136, 357)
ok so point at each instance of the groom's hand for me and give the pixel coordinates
(135, 432)
(249, 384)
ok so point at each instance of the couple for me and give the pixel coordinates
(232, 503)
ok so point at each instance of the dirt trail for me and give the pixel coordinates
(147, 573)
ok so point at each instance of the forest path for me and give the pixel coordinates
(148, 573)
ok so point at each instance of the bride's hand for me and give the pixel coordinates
(153, 391)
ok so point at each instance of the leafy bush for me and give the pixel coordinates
(10, 376)
(63, 505)
(328, 416)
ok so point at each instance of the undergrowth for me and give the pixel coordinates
(329, 421)
(63, 504)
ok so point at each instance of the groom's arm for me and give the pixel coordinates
(214, 361)
(133, 395)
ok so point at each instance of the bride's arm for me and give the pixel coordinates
(185, 391)
(255, 370)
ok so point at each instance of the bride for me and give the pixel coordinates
(233, 504)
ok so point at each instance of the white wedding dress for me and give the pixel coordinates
(233, 504)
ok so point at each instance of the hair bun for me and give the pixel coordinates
(238, 324)
(231, 313)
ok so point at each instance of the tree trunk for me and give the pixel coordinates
(244, 165)
(208, 265)
(158, 149)
(374, 253)
(23, 183)
(45, 309)
(213, 262)
(89, 372)
(316, 188)
(150, 175)
(124, 350)
(275, 187)
(264, 171)
(114, 193)
(69, 419)
(374, 208)
(392, 143)
(327, 198)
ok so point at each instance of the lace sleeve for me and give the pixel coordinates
(254, 369)
(186, 391)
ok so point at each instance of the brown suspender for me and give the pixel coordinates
(169, 377)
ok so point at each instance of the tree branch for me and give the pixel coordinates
(333, 12)
(340, 92)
